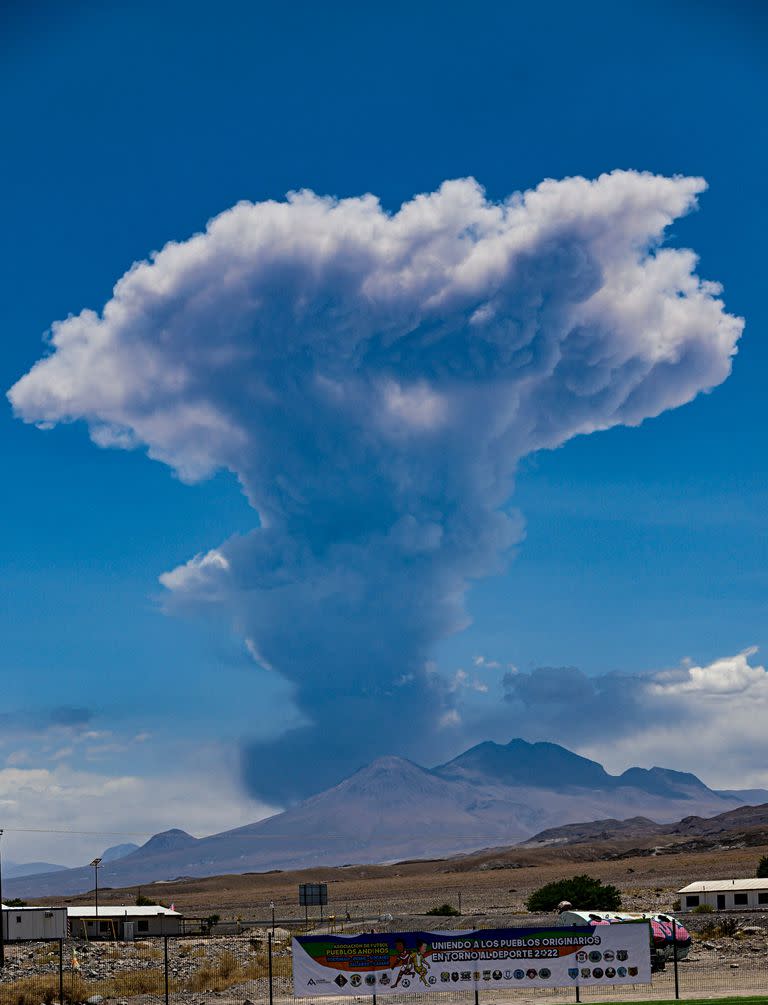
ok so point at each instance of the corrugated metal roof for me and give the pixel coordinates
(6, 907)
(113, 911)
(725, 885)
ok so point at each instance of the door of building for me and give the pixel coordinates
(721, 901)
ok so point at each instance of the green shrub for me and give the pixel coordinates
(584, 892)
(703, 909)
(762, 868)
(444, 911)
(722, 928)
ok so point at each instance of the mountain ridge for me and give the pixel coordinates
(393, 809)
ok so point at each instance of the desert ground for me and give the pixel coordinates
(489, 886)
(493, 883)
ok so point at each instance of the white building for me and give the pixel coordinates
(124, 922)
(33, 923)
(725, 894)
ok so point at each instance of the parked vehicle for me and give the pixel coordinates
(664, 931)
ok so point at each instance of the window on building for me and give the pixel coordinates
(691, 901)
(142, 925)
(762, 898)
(18, 919)
(104, 927)
(740, 899)
(49, 914)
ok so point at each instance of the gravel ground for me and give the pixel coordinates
(717, 965)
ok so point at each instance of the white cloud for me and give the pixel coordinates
(373, 380)
(462, 681)
(708, 719)
(711, 721)
(118, 807)
(731, 675)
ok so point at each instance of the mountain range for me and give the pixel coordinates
(17, 870)
(392, 809)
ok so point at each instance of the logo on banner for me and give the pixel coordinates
(413, 962)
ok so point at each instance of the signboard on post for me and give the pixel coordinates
(415, 962)
(313, 894)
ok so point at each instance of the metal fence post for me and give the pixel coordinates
(674, 957)
(477, 996)
(165, 955)
(578, 996)
(61, 971)
(269, 956)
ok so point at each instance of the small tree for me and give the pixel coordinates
(444, 911)
(584, 892)
(762, 868)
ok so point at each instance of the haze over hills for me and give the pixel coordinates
(393, 809)
(13, 869)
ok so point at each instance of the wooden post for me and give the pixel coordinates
(269, 953)
(165, 954)
(61, 971)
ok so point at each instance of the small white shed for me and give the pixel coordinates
(725, 895)
(124, 922)
(20, 923)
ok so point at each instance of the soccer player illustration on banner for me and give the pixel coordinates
(420, 962)
(403, 961)
(412, 963)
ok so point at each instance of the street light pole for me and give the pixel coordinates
(96, 863)
(2, 912)
(272, 906)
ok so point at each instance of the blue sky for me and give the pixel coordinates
(132, 126)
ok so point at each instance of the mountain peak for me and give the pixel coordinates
(538, 765)
(118, 851)
(169, 840)
(663, 782)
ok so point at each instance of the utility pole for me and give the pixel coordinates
(96, 863)
(2, 912)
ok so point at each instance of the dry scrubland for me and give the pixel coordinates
(494, 882)
(492, 886)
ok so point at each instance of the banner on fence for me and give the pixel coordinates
(414, 962)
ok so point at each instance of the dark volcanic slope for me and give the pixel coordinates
(597, 830)
(392, 809)
(550, 766)
(743, 818)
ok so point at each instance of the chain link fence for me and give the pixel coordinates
(257, 967)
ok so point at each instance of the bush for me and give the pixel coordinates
(444, 911)
(584, 892)
(722, 928)
(703, 909)
(762, 868)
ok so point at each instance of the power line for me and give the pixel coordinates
(228, 835)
